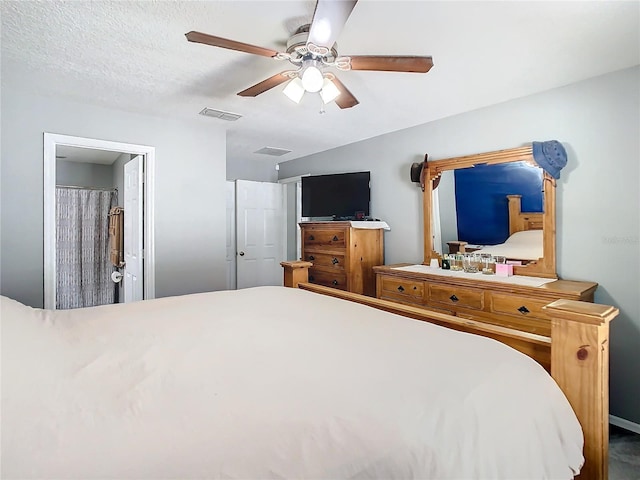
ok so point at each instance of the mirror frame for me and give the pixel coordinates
(543, 267)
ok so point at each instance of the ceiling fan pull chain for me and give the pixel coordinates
(322, 111)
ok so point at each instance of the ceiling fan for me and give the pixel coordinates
(312, 50)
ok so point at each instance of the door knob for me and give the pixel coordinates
(241, 254)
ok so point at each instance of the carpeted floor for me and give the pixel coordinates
(624, 454)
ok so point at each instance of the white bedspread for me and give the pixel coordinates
(271, 383)
(526, 245)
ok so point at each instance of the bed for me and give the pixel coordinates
(526, 235)
(525, 246)
(272, 382)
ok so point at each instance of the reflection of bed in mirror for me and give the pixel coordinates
(482, 207)
(525, 241)
(474, 203)
(525, 246)
(465, 203)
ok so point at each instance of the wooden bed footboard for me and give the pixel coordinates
(576, 354)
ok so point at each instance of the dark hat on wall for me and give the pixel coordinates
(416, 170)
(551, 156)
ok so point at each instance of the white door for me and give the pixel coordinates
(133, 242)
(260, 233)
(231, 235)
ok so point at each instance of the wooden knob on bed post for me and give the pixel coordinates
(580, 366)
(296, 272)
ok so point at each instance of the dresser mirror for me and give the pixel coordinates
(523, 234)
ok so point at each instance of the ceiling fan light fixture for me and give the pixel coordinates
(312, 50)
(294, 90)
(312, 79)
(329, 91)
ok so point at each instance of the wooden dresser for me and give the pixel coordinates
(342, 255)
(489, 301)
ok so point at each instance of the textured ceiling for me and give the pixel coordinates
(134, 56)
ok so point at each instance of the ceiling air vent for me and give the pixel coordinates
(276, 152)
(221, 114)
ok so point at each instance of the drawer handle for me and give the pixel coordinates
(453, 298)
(523, 310)
(311, 257)
(401, 288)
(334, 283)
(335, 261)
(311, 279)
(335, 238)
(311, 237)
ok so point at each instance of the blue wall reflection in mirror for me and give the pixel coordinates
(481, 199)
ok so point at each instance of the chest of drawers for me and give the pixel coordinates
(343, 256)
(493, 301)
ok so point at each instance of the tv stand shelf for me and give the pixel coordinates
(343, 255)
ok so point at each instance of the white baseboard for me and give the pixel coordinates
(626, 424)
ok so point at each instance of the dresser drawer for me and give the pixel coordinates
(519, 306)
(326, 237)
(400, 289)
(456, 297)
(328, 279)
(320, 259)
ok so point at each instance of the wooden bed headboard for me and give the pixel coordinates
(520, 221)
(577, 351)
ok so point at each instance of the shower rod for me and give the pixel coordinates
(77, 187)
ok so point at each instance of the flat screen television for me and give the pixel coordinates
(342, 195)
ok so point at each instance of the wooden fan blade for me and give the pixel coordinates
(264, 85)
(391, 63)
(328, 19)
(198, 37)
(346, 98)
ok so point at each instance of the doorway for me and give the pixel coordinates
(57, 145)
(256, 233)
(293, 202)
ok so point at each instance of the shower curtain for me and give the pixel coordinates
(82, 248)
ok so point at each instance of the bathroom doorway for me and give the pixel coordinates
(89, 175)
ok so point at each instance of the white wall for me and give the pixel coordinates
(83, 174)
(598, 199)
(260, 170)
(189, 194)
